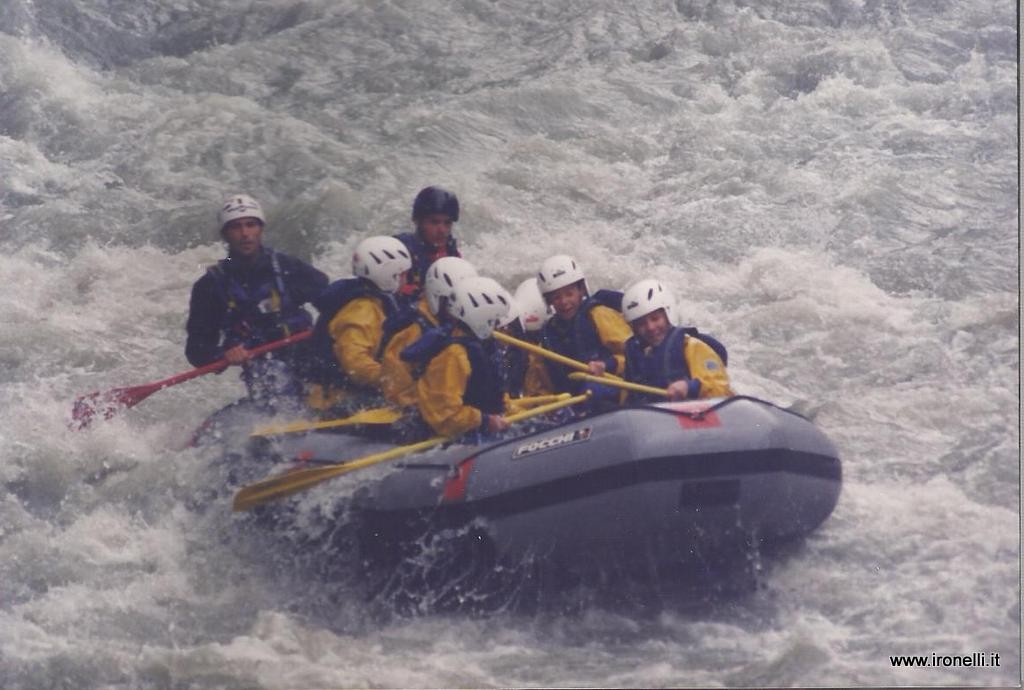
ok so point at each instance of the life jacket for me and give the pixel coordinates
(483, 390)
(666, 362)
(577, 339)
(432, 340)
(423, 255)
(258, 313)
(326, 369)
(404, 317)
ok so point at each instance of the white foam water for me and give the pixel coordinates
(830, 187)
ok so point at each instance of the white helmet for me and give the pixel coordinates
(382, 260)
(646, 296)
(514, 312)
(442, 277)
(480, 303)
(240, 206)
(559, 271)
(533, 310)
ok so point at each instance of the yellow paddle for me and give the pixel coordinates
(544, 352)
(377, 415)
(619, 383)
(289, 483)
(513, 405)
(381, 415)
(534, 400)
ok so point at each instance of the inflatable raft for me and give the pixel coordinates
(658, 487)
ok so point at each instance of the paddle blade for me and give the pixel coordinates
(286, 484)
(283, 485)
(106, 404)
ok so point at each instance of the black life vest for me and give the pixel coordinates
(666, 362)
(261, 312)
(578, 339)
(327, 369)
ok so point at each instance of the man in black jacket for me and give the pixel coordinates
(253, 296)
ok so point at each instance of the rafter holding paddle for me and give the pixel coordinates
(548, 354)
(286, 484)
(108, 403)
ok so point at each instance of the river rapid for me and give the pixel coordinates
(830, 186)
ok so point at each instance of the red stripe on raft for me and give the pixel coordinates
(695, 415)
(455, 487)
(703, 421)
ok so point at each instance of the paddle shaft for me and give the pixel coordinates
(544, 352)
(109, 402)
(292, 482)
(533, 400)
(222, 364)
(430, 442)
(376, 415)
(618, 383)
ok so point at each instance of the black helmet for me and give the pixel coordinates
(435, 200)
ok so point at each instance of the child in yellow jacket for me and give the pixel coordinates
(398, 378)
(684, 361)
(347, 334)
(584, 328)
(460, 390)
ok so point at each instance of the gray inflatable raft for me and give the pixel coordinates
(663, 484)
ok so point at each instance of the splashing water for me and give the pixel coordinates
(830, 187)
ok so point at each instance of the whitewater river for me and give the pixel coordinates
(829, 185)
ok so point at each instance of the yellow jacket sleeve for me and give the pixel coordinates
(439, 393)
(707, 368)
(396, 381)
(613, 331)
(537, 381)
(356, 331)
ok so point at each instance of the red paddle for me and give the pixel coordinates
(108, 403)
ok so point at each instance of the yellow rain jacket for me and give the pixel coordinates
(396, 379)
(356, 331)
(707, 368)
(613, 331)
(538, 382)
(453, 395)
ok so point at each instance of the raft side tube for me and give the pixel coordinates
(747, 470)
